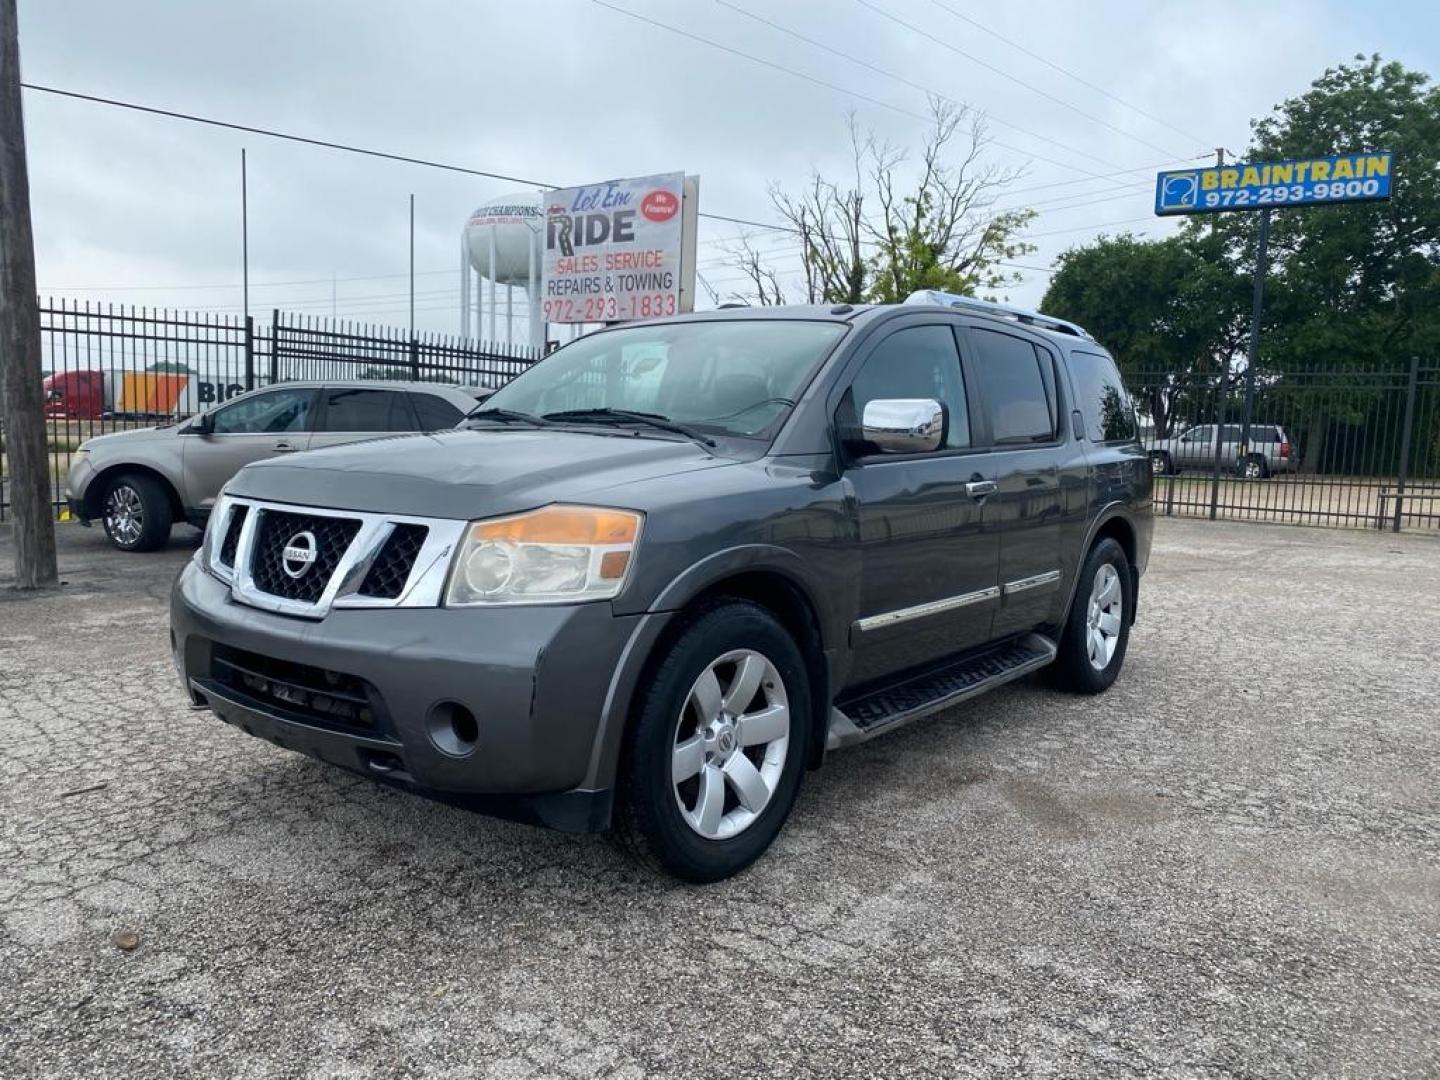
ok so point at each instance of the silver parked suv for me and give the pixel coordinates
(137, 483)
(1271, 451)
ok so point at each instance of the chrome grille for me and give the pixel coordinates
(232, 535)
(391, 569)
(362, 559)
(277, 530)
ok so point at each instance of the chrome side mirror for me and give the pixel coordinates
(903, 425)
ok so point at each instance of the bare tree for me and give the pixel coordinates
(942, 231)
(881, 234)
(762, 284)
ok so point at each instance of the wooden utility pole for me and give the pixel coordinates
(22, 397)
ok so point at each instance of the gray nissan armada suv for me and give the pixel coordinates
(660, 575)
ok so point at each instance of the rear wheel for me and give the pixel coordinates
(715, 758)
(136, 513)
(1093, 643)
(1254, 468)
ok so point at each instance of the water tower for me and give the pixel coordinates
(500, 246)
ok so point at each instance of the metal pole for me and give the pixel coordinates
(1222, 391)
(490, 285)
(1257, 307)
(412, 264)
(464, 287)
(1405, 437)
(244, 236)
(249, 353)
(1220, 399)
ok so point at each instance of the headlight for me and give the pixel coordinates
(560, 554)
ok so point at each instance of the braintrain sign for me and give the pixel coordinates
(616, 251)
(1339, 178)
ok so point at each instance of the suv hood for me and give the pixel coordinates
(468, 473)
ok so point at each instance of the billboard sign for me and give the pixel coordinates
(617, 251)
(1339, 178)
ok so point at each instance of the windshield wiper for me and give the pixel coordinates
(507, 416)
(629, 416)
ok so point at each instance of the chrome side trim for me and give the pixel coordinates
(920, 611)
(1050, 577)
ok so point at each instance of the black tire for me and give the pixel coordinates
(648, 820)
(1161, 465)
(1254, 468)
(143, 497)
(1073, 669)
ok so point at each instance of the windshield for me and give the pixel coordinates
(731, 377)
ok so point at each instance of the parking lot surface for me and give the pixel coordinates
(1228, 866)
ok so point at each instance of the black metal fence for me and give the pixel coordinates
(112, 367)
(1330, 444)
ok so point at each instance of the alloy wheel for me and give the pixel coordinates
(731, 742)
(124, 514)
(1104, 616)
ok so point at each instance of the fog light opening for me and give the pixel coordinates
(453, 728)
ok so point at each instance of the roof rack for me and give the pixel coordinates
(1004, 311)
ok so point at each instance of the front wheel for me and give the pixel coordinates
(136, 513)
(714, 761)
(1093, 643)
(1160, 464)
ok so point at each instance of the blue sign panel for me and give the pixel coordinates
(1304, 182)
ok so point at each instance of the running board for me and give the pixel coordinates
(881, 710)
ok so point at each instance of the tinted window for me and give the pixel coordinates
(920, 362)
(435, 412)
(1203, 433)
(737, 377)
(366, 410)
(266, 414)
(1015, 389)
(1102, 398)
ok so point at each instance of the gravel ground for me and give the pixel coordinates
(1227, 866)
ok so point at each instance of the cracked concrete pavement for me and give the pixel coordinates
(1228, 866)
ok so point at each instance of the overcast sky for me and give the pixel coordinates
(139, 209)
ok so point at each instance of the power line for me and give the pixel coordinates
(1083, 178)
(1065, 71)
(369, 152)
(847, 91)
(1006, 75)
(327, 144)
(907, 82)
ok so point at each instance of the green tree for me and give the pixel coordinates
(1352, 287)
(1172, 311)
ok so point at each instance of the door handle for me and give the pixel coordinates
(978, 489)
(283, 448)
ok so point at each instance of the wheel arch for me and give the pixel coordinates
(775, 579)
(1115, 524)
(94, 501)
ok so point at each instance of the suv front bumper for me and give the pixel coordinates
(540, 682)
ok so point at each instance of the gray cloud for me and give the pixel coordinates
(568, 91)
